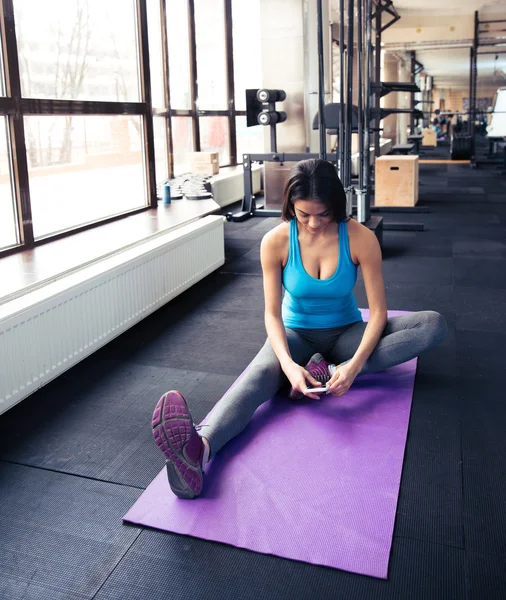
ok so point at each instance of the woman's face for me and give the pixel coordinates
(313, 216)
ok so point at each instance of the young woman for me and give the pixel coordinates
(314, 255)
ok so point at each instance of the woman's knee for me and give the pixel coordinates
(435, 326)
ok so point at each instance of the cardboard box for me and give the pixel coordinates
(396, 180)
(205, 163)
(429, 137)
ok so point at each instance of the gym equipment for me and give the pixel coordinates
(416, 139)
(402, 149)
(191, 187)
(461, 147)
(344, 521)
(375, 113)
(271, 117)
(331, 118)
(271, 95)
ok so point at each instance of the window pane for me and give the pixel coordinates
(179, 54)
(83, 169)
(160, 139)
(211, 56)
(246, 39)
(214, 137)
(182, 140)
(8, 220)
(155, 53)
(78, 49)
(250, 140)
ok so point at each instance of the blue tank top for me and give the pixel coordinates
(311, 303)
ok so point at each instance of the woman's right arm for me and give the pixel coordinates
(271, 258)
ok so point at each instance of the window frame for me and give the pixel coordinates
(14, 107)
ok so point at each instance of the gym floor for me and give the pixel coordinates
(76, 455)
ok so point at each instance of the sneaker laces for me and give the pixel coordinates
(322, 373)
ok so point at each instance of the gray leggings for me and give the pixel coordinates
(403, 338)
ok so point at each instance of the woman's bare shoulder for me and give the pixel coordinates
(361, 240)
(359, 231)
(277, 237)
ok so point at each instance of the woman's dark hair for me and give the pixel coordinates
(314, 179)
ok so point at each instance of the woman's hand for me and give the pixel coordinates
(342, 379)
(301, 379)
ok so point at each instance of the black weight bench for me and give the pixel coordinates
(417, 140)
(402, 149)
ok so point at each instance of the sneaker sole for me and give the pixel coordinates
(172, 428)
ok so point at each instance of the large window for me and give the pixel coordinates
(161, 152)
(250, 140)
(79, 143)
(78, 49)
(179, 54)
(247, 60)
(182, 140)
(214, 137)
(8, 216)
(83, 169)
(211, 55)
(155, 53)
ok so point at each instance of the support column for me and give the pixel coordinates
(403, 101)
(390, 100)
(282, 48)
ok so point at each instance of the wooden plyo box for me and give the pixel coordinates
(396, 180)
(429, 137)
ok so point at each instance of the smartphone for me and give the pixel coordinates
(317, 390)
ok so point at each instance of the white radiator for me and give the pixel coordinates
(49, 330)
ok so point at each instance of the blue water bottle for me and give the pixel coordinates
(166, 193)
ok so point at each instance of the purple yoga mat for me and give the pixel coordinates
(314, 481)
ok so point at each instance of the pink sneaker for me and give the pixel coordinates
(320, 369)
(177, 438)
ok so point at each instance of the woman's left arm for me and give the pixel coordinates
(368, 253)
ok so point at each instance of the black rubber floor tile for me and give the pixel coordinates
(441, 360)
(161, 566)
(480, 309)
(237, 247)
(430, 500)
(416, 297)
(12, 588)
(67, 425)
(252, 229)
(481, 355)
(420, 269)
(414, 244)
(476, 272)
(215, 342)
(472, 247)
(249, 263)
(497, 198)
(124, 442)
(486, 576)
(60, 531)
(235, 293)
(137, 459)
(484, 464)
